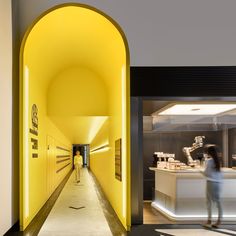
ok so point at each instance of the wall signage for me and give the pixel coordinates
(34, 130)
(118, 158)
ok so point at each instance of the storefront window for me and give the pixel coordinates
(178, 131)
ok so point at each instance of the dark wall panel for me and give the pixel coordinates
(183, 81)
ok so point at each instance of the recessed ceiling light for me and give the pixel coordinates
(196, 109)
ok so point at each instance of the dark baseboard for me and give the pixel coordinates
(113, 221)
(14, 228)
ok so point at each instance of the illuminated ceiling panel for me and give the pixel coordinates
(196, 109)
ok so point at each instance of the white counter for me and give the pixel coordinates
(180, 194)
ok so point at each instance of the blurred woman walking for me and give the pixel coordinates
(214, 178)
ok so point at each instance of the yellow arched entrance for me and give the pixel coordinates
(74, 88)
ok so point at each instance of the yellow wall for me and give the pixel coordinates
(102, 163)
(42, 178)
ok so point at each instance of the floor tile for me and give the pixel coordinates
(88, 220)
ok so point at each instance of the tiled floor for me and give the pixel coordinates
(82, 209)
(157, 224)
(194, 232)
(152, 216)
(77, 211)
(181, 230)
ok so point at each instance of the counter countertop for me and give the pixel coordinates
(192, 170)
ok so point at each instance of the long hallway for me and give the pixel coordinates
(77, 211)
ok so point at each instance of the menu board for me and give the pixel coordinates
(118, 158)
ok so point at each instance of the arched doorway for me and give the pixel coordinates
(74, 87)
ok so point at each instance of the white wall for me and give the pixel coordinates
(164, 32)
(5, 116)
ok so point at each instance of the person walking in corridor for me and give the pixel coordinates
(214, 178)
(78, 163)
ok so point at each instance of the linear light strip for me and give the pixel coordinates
(101, 147)
(124, 141)
(196, 109)
(104, 149)
(26, 142)
(171, 214)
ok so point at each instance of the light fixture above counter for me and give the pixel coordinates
(195, 109)
(188, 116)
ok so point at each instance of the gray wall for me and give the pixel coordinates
(163, 32)
(170, 143)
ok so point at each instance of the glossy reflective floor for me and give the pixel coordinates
(152, 216)
(82, 209)
(77, 211)
(157, 224)
(195, 232)
(181, 230)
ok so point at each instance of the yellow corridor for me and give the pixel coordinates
(74, 90)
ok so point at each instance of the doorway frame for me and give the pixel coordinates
(82, 145)
(22, 105)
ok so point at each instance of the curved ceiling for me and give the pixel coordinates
(77, 92)
(68, 38)
(73, 36)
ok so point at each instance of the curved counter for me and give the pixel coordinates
(180, 194)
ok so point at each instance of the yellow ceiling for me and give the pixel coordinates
(73, 36)
(77, 92)
(79, 129)
(66, 46)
